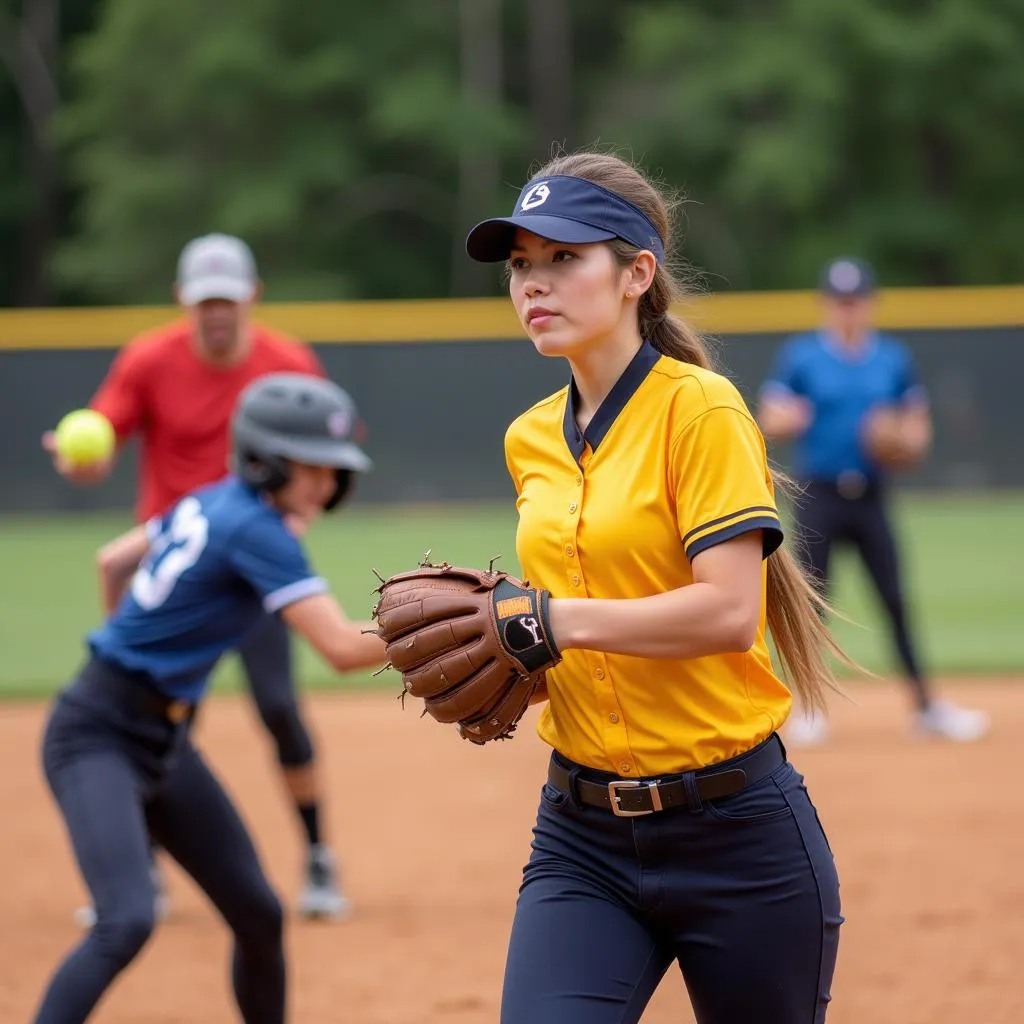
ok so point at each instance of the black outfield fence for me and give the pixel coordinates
(438, 383)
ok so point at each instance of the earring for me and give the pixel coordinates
(629, 295)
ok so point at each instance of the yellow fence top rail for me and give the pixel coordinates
(493, 319)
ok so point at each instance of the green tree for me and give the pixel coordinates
(33, 196)
(353, 145)
(800, 129)
(325, 134)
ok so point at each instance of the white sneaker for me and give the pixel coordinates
(321, 896)
(85, 917)
(946, 720)
(805, 730)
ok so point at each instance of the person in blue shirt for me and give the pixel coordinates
(116, 748)
(820, 394)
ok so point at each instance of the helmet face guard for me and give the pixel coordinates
(286, 418)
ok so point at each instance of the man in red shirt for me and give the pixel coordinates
(175, 388)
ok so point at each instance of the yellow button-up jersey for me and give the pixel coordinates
(671, 464)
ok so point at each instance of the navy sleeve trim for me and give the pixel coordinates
(770, 527)
(729, 518)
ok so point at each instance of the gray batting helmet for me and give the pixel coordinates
(295, 417)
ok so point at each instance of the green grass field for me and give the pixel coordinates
(963, 554)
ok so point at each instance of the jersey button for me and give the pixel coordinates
(575, 581)
(613, 718)
(572, 506)
(599, 674)
(625, 768)
(579, 480)
(570, 550)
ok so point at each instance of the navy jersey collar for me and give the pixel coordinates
(615, 401)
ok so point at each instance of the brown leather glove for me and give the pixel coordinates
(884, 440)
(473, 643)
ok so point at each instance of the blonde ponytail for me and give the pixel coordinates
(796, 615)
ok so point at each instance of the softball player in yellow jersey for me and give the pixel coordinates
(671, 827)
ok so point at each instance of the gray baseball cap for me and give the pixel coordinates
(216, 267)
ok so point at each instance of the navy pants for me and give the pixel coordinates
(741, 892)
(119, 773)
(824, 518)
(266, 655)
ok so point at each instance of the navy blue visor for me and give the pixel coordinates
(562, 208)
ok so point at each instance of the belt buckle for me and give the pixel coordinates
(177, 711)
(613, 795)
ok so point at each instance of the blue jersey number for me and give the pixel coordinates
(176, 548)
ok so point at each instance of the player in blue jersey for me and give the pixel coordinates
(820, 394)
(116, 749)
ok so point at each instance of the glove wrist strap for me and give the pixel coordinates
(524, 625)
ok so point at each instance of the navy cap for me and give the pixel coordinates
(563, 208)
(848, 278)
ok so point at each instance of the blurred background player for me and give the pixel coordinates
(823, 390)
(117, 752)
(175, 388)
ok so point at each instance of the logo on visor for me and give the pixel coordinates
(537, 196)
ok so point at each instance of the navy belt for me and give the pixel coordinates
(133, 690)
(630, 798)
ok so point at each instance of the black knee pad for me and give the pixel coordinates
(294, 744)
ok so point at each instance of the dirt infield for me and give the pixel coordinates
(929, 840)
